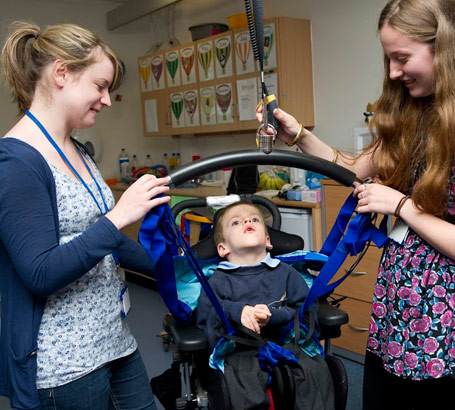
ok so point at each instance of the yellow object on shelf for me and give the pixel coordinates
(237, 21)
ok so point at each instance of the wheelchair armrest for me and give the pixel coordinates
(330, 320)
(186, 338)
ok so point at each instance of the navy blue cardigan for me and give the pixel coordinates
(33, 265)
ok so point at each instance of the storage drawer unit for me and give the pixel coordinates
(354, 334)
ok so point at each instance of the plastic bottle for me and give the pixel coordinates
(134, 164)
(173, 162)
(124, 163)
(148, 161)
(165, 163)
(165, 160)
(178, 162)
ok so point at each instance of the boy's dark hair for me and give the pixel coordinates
(218, 233)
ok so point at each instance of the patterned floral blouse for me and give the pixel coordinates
(82, 327)
(412, 324)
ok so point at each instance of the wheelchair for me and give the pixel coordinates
(191, 356)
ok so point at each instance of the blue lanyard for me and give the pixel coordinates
(57, 148)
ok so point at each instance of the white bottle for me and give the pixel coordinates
(166, 161)
(124, 163)
(148, 161)
(134, 164)
(178, 162)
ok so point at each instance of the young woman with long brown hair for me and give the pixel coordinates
(410, 359)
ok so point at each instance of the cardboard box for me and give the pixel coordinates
(299, 194)
(312, 195)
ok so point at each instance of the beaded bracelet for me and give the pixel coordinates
(297, 137)
(400, 205)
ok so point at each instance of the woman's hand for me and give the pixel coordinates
(138, 199)
(289, 126)
(377, 198)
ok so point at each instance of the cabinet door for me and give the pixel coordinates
(360, 283)
(334, 198)
(294, 68)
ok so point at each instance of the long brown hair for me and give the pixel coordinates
(416, 135)
(28, 50)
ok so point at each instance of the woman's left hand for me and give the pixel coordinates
(377, 198)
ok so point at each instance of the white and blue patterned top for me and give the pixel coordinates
(82, 327)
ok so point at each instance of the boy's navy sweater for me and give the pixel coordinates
(282, 288)
(33, 265)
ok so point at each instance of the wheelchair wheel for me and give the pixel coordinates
(340, 381)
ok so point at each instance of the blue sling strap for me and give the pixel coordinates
(158, 235)
(162, 239)
(338, 245)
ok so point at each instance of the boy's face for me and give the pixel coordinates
(244, 232)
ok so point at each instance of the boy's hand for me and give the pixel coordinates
(262, 314)
(248, 319)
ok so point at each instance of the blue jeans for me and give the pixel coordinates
(119, 385)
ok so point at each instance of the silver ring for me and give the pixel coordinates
(365, 185)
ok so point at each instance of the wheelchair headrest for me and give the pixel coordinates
(282, 242)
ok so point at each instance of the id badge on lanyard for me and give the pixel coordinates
(399, 231)
(125, 301)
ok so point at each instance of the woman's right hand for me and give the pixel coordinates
(138, 199)
(289, 126)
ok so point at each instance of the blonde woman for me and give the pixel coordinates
(410, 359)
(64, 340)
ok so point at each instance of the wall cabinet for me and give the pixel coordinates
(211, 85)
(358, 287)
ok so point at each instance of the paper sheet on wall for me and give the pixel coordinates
(151, 118)
(207, 104)
(247, 94)
(223, 95)
(191, 108)
(145, 71)
(178, 120)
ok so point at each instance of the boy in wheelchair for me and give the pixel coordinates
(254, 289)
(257, 291)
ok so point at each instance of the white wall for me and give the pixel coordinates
(347, 65)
